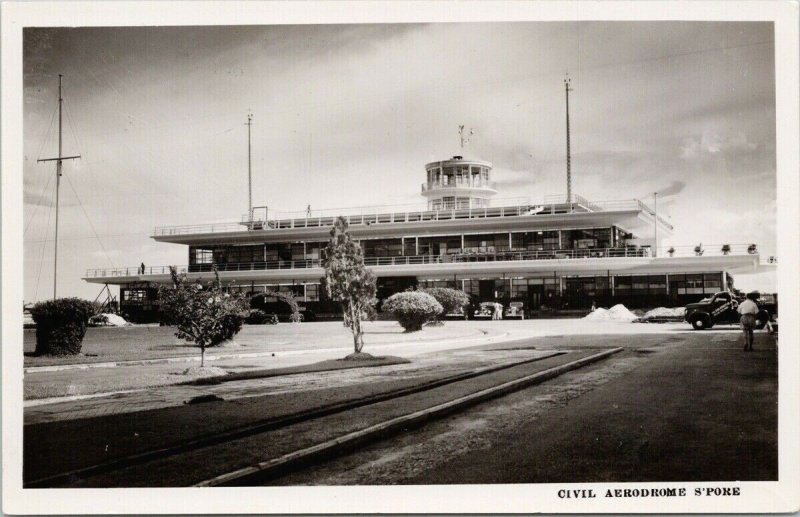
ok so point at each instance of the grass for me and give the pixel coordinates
(114, 344)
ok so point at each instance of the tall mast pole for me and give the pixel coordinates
(655, 224)
(59, 164)
(567, 89)
(58, 184)
(249, 169)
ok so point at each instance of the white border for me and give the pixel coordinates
(757, 497)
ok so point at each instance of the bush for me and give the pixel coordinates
(61, 325)
(450, 299)
(412, 309)
(256, 317)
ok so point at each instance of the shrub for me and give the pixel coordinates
(256, 317)
(61, 325)
(205, 315)
(450, 299)
(412, 309)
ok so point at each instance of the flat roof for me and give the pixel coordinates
(631, 215)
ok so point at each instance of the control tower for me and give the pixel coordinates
(458, 183)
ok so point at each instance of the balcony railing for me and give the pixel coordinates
(372, 215)
(434, 185)
(488, 254)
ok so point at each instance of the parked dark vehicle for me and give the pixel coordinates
(486, 311)
(515, 310)
(284, 312)
(720, 309)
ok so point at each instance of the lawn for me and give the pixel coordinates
(139, 342)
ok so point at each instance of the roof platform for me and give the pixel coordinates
(387, 221)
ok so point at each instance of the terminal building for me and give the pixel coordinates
(559, 252)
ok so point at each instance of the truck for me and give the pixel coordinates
(721, 309)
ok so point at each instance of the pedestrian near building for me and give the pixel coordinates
(748, 310)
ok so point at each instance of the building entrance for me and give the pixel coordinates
(486, 290)
(535, 294)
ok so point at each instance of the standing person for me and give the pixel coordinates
(142, 268)
(748, 309)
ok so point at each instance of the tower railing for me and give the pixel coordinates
(435, 185)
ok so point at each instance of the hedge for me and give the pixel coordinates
(412, 309)
(61, 325)
(450, 299)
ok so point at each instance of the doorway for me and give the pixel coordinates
(486, 290)
(535, 295)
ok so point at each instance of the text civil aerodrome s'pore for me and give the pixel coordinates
(649, 492)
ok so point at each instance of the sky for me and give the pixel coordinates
(348, 115)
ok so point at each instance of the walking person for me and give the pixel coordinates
(748, 310)
(142, 268)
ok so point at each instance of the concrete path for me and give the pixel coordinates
(697, 408)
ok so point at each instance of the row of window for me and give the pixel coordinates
(458, 175)
(594, 238)
(517, 288)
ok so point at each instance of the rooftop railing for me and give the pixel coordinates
(512, 207)
(434, 185)
(486, 254)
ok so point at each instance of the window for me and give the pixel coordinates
(694, 284)
(472, 287)
(658, 283)
(410, 247)
(134, 295)
(677, 284)
(712, 282)
(200, 256)
(312, 292)
(639, 284)
(586, 239)
(541, 240)
(382, 247)
(519, 288)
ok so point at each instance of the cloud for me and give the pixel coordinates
(715, 144)
(672, 189)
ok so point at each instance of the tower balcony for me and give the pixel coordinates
(436, 185)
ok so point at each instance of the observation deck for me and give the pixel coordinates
(514, 213)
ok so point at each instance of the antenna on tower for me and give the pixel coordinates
(464, 138)
(567, 89)
(249, 124)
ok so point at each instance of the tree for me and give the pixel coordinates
(451, 300)
(205, 315)
(347, 280)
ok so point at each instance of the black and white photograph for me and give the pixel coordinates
(393, 257)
